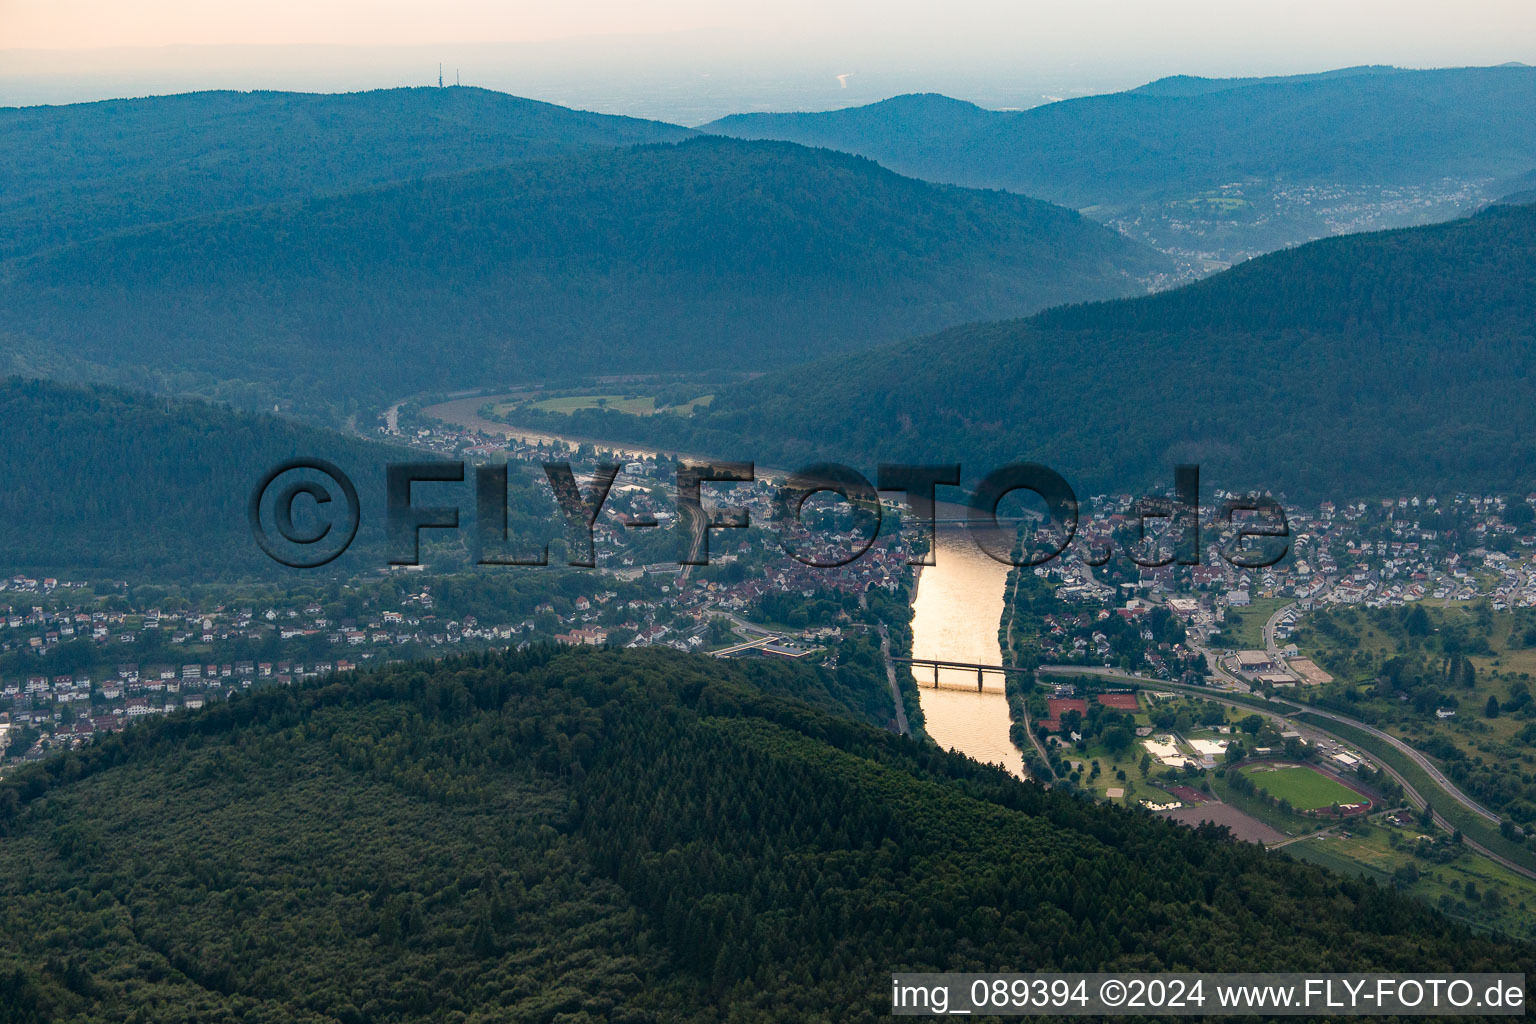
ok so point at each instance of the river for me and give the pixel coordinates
(957, 610)
(955, 617)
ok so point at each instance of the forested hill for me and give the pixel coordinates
(103, 483)
(1392, 363)
(1177, 138)
(1519, 190)
(708, 253)
(73, 172)
(1196, 85)
(605, 836)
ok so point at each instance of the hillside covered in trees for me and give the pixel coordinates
(69, 173)
(1397, 362)
(1215, 171)
(710, 253)
(610, 836)
(104, 482)
(1176, 137)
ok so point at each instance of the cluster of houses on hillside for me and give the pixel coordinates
(1376, 554)
(66, 710)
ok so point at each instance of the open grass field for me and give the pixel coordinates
(1476, 828)
(687, 408)
(1306, 789)
(1443, 885)
(1287, 824)
(1495, 756)
(1244, 627)
(640, 406)
(634, 405)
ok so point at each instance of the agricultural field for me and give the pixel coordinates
(1498, 897)
(635, 405)
(1401, 668)
(1306, 788)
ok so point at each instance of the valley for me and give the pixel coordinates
(443, 576)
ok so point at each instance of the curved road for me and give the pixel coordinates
(1270, 646)
(1413, 755)
(1408, 751)
(1414, 796)
(1419, 759)
(1007, 653)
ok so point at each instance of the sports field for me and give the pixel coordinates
(1306, 789)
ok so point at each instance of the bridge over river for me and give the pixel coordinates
(968, 666)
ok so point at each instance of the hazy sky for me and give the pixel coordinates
(1441, 31)
(692, 59)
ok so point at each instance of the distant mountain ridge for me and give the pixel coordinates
(708, 253)
(75, 172)
(1220, 170)
(1195, 85)
(1383, 364)
(1520, 189)
(1116, 148)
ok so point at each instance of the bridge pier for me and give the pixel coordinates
(961, 666)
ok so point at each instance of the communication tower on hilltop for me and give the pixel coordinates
(439, 76)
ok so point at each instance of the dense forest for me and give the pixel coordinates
(595, 835)
(104, 483)
(1397, 362)
(69, 173)
(1176, 137)
(711, 253)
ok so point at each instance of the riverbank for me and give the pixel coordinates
(957, 606)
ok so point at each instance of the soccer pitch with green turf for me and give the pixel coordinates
(1307, 790)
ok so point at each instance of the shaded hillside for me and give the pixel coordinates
(1392, 363)
(1195, 85)
(610, 836)
(711, 253)
(1126, 147)
(74, 172)
(1518, 190)
(109, 483)
(1216, 171)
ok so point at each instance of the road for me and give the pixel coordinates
(1414, 796)
(1419, 759)
(1007, 654)
(1302, 838)
(764, 635)
(742, 625)
(1269, 633)
(1414, 756)
(890, 677)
